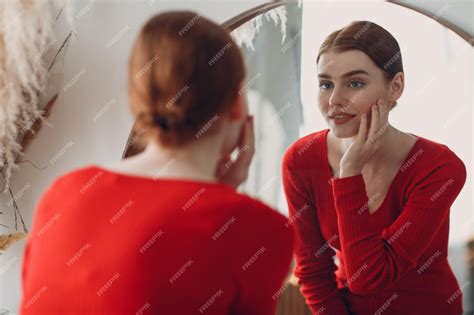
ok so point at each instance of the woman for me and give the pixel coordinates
(376, 196)
(165, 232)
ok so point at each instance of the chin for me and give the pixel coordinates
(344, 131)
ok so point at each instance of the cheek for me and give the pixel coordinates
(363, 101)
(323, 101)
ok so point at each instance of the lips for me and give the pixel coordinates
(341, 115)
(340, 118)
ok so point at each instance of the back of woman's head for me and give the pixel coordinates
(184, 70)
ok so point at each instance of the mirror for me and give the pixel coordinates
(282, 90)
(280, 42)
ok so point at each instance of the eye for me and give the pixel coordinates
(356, 84)
(325, 85)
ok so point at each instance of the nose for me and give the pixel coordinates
(337, 98)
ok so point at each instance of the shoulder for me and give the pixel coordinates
(437, 162)
(58, 193)
(311, 145)
(72, 183)
(76, 174)
(439, 155)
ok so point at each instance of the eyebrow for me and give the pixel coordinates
(345, 75)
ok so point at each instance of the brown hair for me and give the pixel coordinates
(184, 70)
(370, 38)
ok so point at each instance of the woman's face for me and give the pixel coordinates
(349, 84)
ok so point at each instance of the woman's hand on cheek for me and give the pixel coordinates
(366, 143)
(234, 172)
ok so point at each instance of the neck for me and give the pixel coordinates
(196, 160)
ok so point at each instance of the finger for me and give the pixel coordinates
(251, 133)
(383, 120)
(247, 147)
(223, 166)
(242, 136)
(362, 127)
(374, 124)
(384, 111)
(247, 135)
(224, 159)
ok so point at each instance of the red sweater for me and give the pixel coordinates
(107, 243)
(391, 262)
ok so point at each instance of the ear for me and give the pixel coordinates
(396, 87)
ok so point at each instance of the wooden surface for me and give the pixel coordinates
(291, 302)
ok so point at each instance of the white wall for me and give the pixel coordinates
(98, 64)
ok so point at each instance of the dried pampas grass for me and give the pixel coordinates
(8, 239)
(26, 34)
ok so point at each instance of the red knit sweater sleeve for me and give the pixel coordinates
(315, 267)
(378, 260)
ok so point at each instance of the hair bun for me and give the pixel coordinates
(160, 121)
